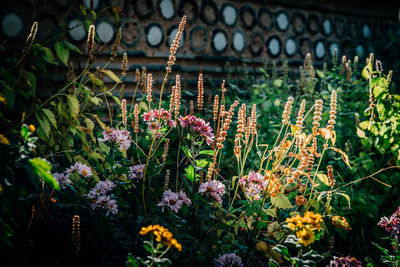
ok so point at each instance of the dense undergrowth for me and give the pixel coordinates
(288, 174)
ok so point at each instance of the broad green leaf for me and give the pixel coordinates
(323, 178)
(207, 152)
(321, 74)
(360, 133)
(73, 105)
(202, 163)
(62, 52)
(189, 173)
(48, 55)
(366, 72)
(364, 125)
(95, 100)
(72, 47)
(112, 75)
(50, 116)
(378, 90)
(143, 106)
(43, 123)
(42, 169)
(278, 82)
(281, 201)
(117, 100)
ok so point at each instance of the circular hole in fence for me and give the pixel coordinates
(154, 34)
(290, 47)
(131, 32)
(332, 48)
(76, 30)
(305, 46)
(282, 21)
(298, 23)
(105, 31)
(340, 27)
(188, 8)
(219, 41)
(12, 24)
(360, 50)
(327, 27)
(229, 14)
(198, 38)
(256, 43)
(319, 50)
(166, 8)
(248, 17)
(274, 46)
(96, 4)
(366, 31)
(239, 41)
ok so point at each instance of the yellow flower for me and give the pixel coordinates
(3, 100)
(4, 140)
(162, 234)
(306, 236)
(32, 128)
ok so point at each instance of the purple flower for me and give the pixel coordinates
(82, 169)
(214, 188)
(253, 185)
(392, 224)
(112, 206)
(198, 126)
(228, 260)
(156, 120)
(120, 137)
(62, 179)
(173, 200)
(101, 188)
(136, 172)
(344, 262)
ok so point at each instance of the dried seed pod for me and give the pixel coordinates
(124, 64)
(332, 112)
(76, 235)
(175, 45)
(287, 110)
(31, 38)
(136, 115)
(200, 90)
(90, 43)
(123, 109)
(116, 45)
(215, 107)
(149, 87)
(317, 112)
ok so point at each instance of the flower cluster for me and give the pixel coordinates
(62, 179)
(214, 188)
(136, 172)
(344, 262)
(253, 185)
(100, 200)
(120, 137)
(155, 120)
(82, 169)
(162, 234)
(198, 126)
(305, 226)
(174, 200)
(392, 224)
(228, 260)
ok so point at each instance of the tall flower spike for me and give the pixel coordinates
(175, 45)
(137, 78)
(317, 112)
(149, 85)
(254, 120)
(177, 95)
(165, 152)
(332, 112)
(330, 175)
(166, 180)
(200, 93)
(215, 108)
(123, 109)
(90, 43)
(225, 127)
(191, 108)
(136, 115)
(116, 45)
(287, 110)
(124, 64)
(31, 38)
(172, 100)
(300, 119)
(144, 80)
(76, 235)
(348, 72)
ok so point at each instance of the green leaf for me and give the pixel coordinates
(202, 163)
(43, 123)
(50, 116)
(72, 47)
(112, 75)
(323, 178)
(281, 201)
(360, 133)
(73, 104)
(207, 152)
(42, 168)
(189, 173)
(48, 55)
(95, 100)
(378, 90)
(364, 125)
(32, 83)
(366, 72)
(321, 74)
(62, 52)
(278, 82)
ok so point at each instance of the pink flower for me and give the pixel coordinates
(156, 121)
(62, 179)
(173, 200)
(82, 169)
(214, 188)
(120, 137)
(197, 126)
(253, 185)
